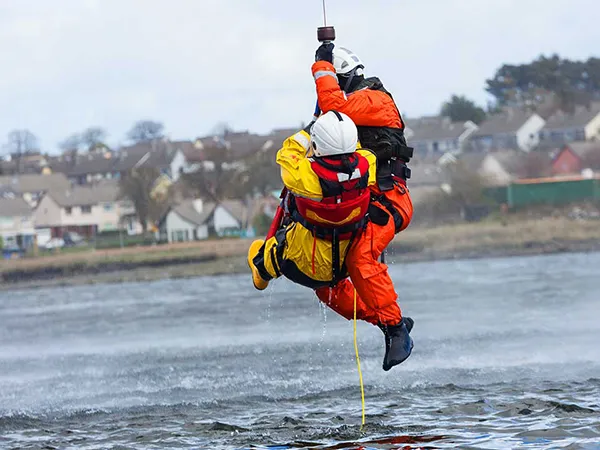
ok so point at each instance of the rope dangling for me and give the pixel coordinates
(360, 377)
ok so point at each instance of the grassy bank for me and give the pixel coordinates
(519, 236)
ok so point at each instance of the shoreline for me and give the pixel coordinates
(521, 236)
(235, 265)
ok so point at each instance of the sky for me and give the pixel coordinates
(70, 64)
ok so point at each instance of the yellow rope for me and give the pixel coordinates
(362, 389)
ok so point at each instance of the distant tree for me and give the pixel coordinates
(19, 143)
(71, 144)
(544, 80)
(145, 131)
(93, 137)
(467, 186)
(214, 179)
(137, 186)
(461, 109)
(536, 165)
(223, 175)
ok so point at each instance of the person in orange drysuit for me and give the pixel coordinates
(341, 86)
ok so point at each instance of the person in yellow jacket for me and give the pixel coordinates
(327, 178)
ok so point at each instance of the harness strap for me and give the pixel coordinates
(398, 220)
(327, 233)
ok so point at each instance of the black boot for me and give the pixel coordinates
(398, 343)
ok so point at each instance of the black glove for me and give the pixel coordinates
(325, 52)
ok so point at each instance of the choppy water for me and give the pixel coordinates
(507, 355)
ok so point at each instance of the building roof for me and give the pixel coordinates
(11, 207)
(86, 195)
(186, 211)
(430, 128)
(35, 183)
(582, 148)
(92, 163)
(509, 121)
(426, 174)
(580, 117)
(191, 152)
(237, 209)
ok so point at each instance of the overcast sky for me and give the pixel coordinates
(70, 64)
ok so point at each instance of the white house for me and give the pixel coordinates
(513, 128)
(87, 210)
(192, 220)
(583, 124)
(435, 135)
(16, 223)
(497, 168)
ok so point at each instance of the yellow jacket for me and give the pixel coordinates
(299, 250)
(296, 170)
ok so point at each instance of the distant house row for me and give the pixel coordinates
(32, 205)
(512, 128)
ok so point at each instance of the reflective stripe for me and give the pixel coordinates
(344, 176)
(323, 73)
(302, 140)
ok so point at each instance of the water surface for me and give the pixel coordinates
(507, 355)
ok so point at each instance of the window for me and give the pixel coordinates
(68, 210)
(87, 209)
(580, 134)
(108, 207)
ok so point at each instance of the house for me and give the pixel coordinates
(31, 187)
(87, 210)
(502, 167)
(31, 162)
(231, 148)
(164, 155)
(93, 166)
(430, 135)
(583, 124)
(194, 219)
(513, 128)
(574, 157)
(105, 164)
(16, 223)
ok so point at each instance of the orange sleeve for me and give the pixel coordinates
(365, 107)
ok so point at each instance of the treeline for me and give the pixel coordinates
(547, 83)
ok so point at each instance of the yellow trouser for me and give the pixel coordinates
(295, 253)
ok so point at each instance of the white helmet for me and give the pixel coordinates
(333, 133)
(345, 61)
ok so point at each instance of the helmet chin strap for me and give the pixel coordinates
(351, 76)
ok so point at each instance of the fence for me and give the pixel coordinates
(546, 192)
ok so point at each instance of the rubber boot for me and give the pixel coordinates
(398, 343)
(258, 282)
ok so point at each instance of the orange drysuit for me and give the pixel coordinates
(368, 106)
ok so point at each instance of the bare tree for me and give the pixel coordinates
(138, 186)
(19, 143)
(536, 165)
(214, 178)
(71, 144)
(93, 137)
(145, 131)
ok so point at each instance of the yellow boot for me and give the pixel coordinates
(255, 247)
